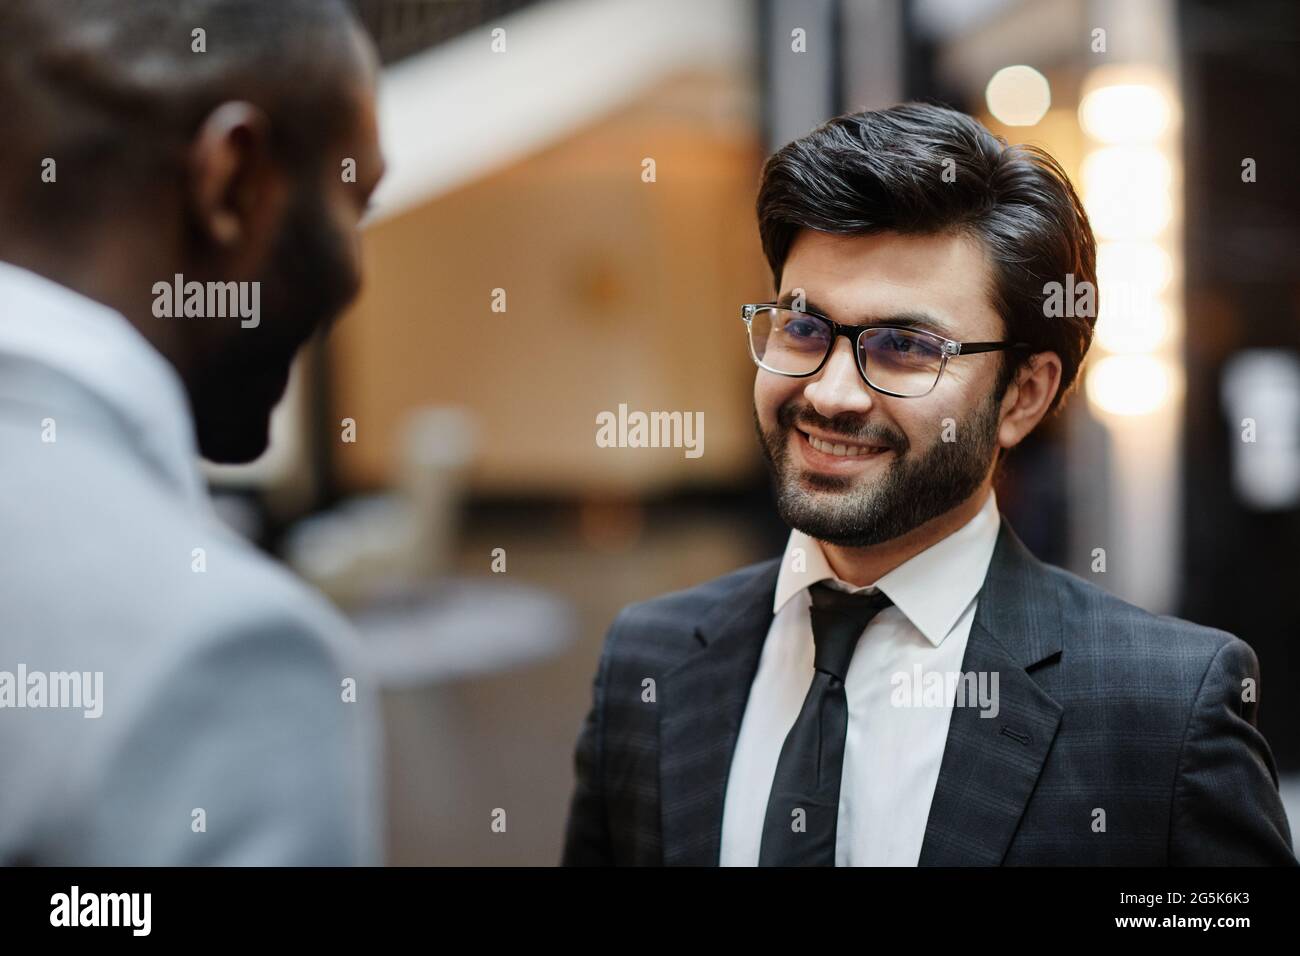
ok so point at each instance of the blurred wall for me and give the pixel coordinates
(617, 290)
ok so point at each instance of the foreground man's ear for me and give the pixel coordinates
(236, 190)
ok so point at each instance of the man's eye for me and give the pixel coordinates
(903, 344)
(803, 328)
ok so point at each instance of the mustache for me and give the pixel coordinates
(852, 428)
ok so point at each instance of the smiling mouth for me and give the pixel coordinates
(841, 449)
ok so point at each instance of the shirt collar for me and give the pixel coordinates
(932, 588)
(96, 347)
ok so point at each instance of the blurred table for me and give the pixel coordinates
(463, 628)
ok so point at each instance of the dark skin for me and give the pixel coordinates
(234, 220)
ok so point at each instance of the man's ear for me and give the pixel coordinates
(1028, 397)
(236, 189)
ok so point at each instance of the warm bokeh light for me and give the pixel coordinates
(1133, 264)
(1129, 384)
(1018, 95)
(1131, 315)
(1127, 190)
(1132, 326)
(1125, 106)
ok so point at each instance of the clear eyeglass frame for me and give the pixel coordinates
(948, 348)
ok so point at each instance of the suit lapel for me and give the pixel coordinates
(991, 764)
(702, 701)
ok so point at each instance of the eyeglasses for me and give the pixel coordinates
(902, 362)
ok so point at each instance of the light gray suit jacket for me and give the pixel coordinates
(224, 737)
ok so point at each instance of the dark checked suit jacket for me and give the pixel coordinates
(1102, 706)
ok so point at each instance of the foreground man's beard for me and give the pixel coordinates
(309, 282)
(857, 512)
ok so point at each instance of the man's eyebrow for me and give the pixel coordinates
(911, 319)
(919, 320)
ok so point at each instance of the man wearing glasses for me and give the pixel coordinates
(907, 684)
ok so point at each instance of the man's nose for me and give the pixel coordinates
(839, 387)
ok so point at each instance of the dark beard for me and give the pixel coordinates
(914, 489)
(307, 284)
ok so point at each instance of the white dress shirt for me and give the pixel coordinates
(99, 349)
(892, 753)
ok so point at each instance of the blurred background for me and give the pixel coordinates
(568, 227)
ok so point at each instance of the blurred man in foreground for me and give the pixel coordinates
(180, 188)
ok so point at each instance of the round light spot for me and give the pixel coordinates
(1018, 96)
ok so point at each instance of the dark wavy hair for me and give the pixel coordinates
(883, 170)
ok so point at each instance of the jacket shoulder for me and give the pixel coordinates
(1132, 633)
(690, 604)
(666, 623)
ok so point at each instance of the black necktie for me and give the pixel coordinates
(802, 811)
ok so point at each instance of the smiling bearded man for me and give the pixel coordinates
(908, 349)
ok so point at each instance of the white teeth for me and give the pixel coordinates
(839, 450)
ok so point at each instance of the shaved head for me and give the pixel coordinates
(115, 89)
